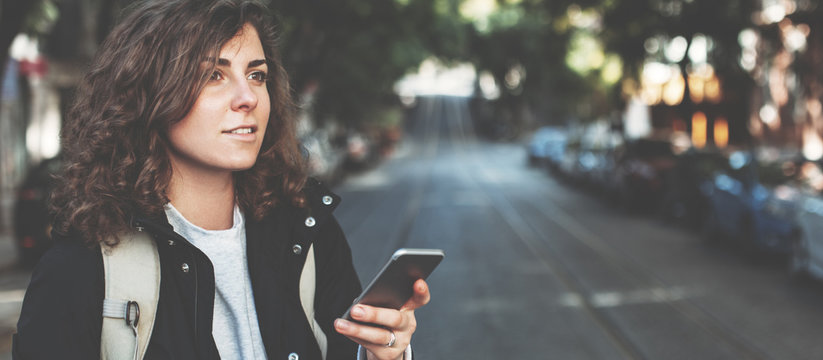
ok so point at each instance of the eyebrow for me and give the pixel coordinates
(253, 63)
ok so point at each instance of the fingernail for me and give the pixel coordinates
(358, 312)
(341, 324)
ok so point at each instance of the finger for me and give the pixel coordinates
(421, 296)
(369, 336)
(388, 318)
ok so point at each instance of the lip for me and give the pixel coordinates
(242, 136)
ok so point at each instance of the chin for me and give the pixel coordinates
(242, 165)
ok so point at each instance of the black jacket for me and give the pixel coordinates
(61, 316)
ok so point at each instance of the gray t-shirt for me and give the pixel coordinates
(235, 328)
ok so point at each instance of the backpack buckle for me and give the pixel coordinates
(132, 313)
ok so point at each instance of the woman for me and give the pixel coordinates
(184, 128)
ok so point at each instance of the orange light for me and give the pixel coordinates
(713, 90)
(721, 132)
(699, 130)
(696, 85)
(673, 90)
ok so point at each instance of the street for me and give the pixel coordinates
(538, 269)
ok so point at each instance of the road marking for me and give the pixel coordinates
(610, 299)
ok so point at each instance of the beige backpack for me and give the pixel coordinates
(132, 277)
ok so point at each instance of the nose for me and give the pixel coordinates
(245, 99)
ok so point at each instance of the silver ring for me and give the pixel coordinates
(393, 339)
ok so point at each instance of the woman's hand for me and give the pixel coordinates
(376, 338)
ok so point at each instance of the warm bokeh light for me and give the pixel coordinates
(674, 89)
(651, 94)
(769, 115)
(704, 84)
(713, 90)
(699, 130)
(696, 88)
(721, 132)
(812, 144)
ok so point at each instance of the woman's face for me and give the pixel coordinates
(224, 129)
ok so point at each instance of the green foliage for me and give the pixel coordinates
(536, 35)
(355, 50)
(349, 53)
(40, 18)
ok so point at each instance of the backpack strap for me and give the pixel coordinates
(132, 277)
(307, 289)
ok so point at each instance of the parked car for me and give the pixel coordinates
(683, 201)
(568, 164)
(807, 248)
(545, 140)
(748, 206)
(641, 169)
(32, 223)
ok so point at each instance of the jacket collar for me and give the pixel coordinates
(320, 203)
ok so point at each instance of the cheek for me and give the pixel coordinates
(265, 112)
(189, 132)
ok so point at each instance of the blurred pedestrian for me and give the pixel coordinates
(184, 129)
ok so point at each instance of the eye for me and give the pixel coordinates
(259, 76)
(215, 76)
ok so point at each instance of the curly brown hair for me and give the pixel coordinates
(146, 76)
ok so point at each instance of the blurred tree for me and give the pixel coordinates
(523, 45)
(348, 54)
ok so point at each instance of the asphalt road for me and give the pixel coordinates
(537, 269)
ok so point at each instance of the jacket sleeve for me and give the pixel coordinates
(61, 317)
(337, 286)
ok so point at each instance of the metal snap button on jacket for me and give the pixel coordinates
(327, 200)
(297, 249)
(310, 221)
(184, 267)
(294, 356)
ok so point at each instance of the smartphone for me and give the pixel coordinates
(393, 285)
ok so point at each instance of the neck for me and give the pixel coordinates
(205, 200)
